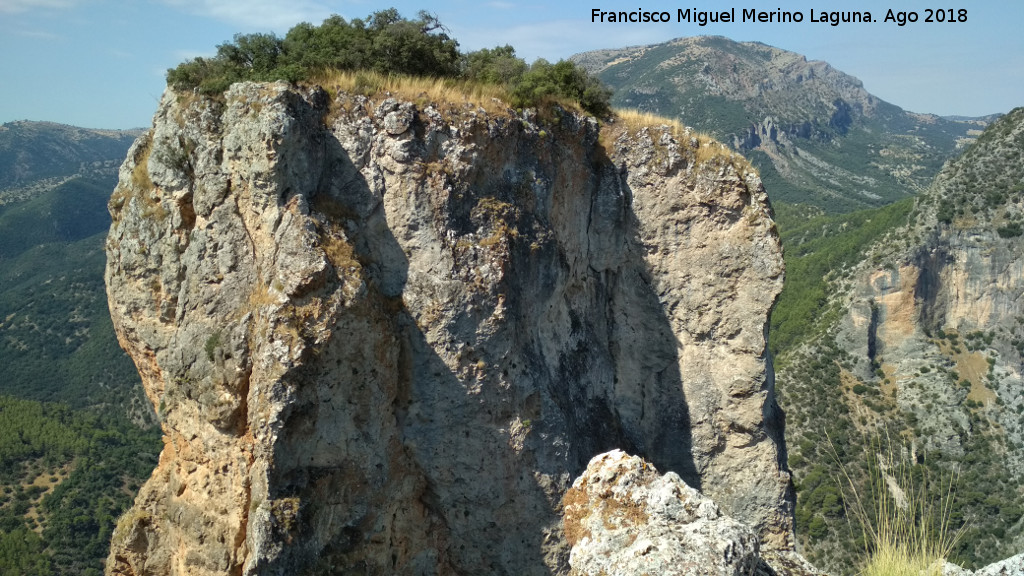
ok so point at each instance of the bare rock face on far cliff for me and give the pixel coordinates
(383, 337)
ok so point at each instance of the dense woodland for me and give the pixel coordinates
(66, 476)
(76, 439)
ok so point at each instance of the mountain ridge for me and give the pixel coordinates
(816, 135)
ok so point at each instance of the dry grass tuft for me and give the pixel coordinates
(576, 506)
(906, 529)
(140, 174)
(141, 187)
(636, 120)
(261, 296)
(340, 253)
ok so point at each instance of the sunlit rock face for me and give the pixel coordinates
(384, 336)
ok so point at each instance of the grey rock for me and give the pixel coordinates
(382, 350)
(624, 518)
(1013, 566)
(1010, 567)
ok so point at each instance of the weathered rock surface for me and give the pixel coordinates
(1010, 567)
(622, 517)
(384, 337)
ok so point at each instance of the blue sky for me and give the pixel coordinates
(101, 64)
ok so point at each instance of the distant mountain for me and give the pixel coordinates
(816, 135)
(983, 120)
(33, 151)
(38, 156)
(56, 339)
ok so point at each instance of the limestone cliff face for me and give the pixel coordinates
(941, 316)
(385, 336)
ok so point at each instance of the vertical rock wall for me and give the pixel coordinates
(384, 336)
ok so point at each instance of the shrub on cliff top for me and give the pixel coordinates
(388, 44)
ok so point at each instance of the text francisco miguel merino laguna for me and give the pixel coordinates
(703, 17)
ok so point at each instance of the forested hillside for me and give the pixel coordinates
(919, 345)
(76, 436)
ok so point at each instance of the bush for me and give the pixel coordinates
(494, 66)
(563, 79)
(385, 42)
(1011, 230)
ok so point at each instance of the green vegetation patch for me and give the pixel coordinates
(65, 477)
(57, 341)
(816, 248)
(387, 44)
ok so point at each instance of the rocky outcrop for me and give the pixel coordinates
(622, 518)
(1010, 567)
(383, 336)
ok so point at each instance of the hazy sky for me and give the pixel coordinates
(100, 63)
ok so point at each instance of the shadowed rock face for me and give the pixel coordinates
(384, 337)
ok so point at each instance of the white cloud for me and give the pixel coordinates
(11, 6)
(276, 15)
(38, 34)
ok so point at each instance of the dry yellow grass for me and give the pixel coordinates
(141, 187)
(422, 90)
(704, 148)
(260, 297)
(140, 174)
(635, 120)
(971, 366)
(339, 252)
(494, 100)
(906, 529)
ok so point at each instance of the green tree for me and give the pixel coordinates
(562, 79)
(498, 65)
(387, 43)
